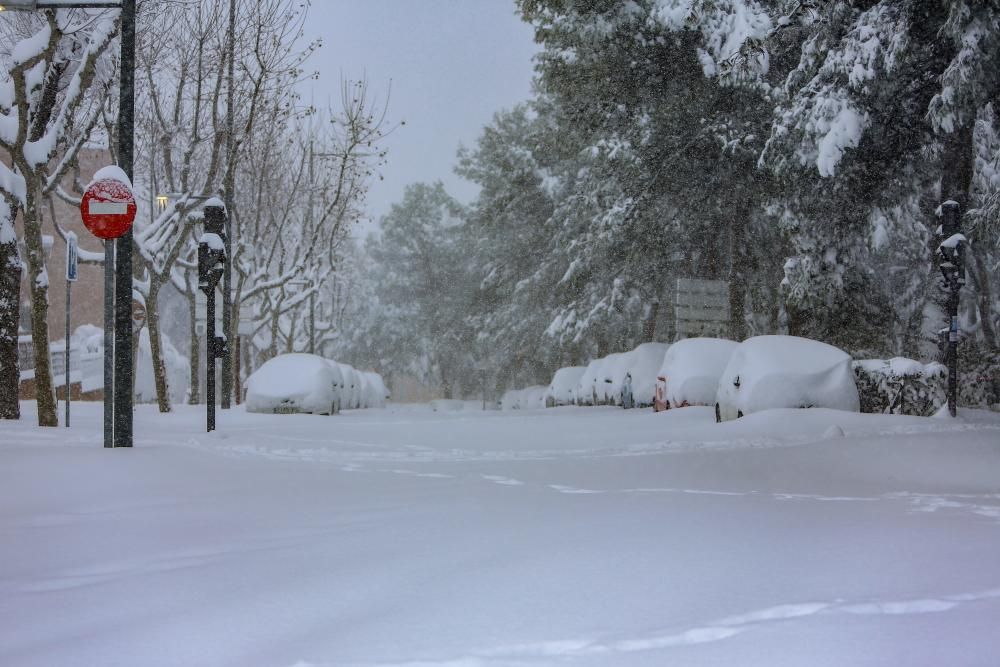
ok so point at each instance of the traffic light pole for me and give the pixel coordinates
(211, 267)
(951, 257)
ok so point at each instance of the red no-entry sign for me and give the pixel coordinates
(108, 208)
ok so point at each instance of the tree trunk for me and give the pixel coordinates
(155, 349)
(194, 393)
(738, 273)
(39, 291)
(649, 326)
(10, 296)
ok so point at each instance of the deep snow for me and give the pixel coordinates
(592, 536)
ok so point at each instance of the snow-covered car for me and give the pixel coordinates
(611, 377)
(338, 383)
(291, 383)
(586, 387)
(690, 372)
(768, 372)
(375, 391)
(639, 383)
(532, 397)
(562, 389)
(352, 382)
(511, 400)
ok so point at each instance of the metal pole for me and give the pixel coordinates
(69, 292)
(227, 280)
(109, 343)
(210, 360)
(123, 275)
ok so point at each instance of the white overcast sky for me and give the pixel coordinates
(452, 65)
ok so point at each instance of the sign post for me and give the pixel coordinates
(108, 209)
(72, 257)
(701, 307)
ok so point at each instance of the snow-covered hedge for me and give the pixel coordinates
(901, 386)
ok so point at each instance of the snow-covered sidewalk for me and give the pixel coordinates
(590, 536)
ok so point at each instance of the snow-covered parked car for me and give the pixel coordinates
(533, 397)
(767, 372)
(562, 389)
(339, 383)
(639, 383)
(611, 376)
(352, 388)
(691, 371)
(291, 383)
(511, 399)
(374, 390)
(586, 388)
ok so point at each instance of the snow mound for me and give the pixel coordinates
(768, 372)
(691, 371)
(294, 382)
(562, 390)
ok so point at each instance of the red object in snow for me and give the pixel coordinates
(108, 208)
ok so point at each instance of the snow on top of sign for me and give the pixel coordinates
(215, 201)
(214, 241)
(113, 173)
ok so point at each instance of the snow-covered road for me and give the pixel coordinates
(583, 536)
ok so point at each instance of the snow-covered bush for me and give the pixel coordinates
(644, 362)
(767, 372)
(291, 383)
(562, 389)
(901, 386)
(691, 371)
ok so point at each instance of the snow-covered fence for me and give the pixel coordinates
(900, 386)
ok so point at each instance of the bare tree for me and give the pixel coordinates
(48, 113)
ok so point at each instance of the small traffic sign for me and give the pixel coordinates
(108, 208)
(72, 257)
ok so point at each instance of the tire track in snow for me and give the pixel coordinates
(712, 631)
